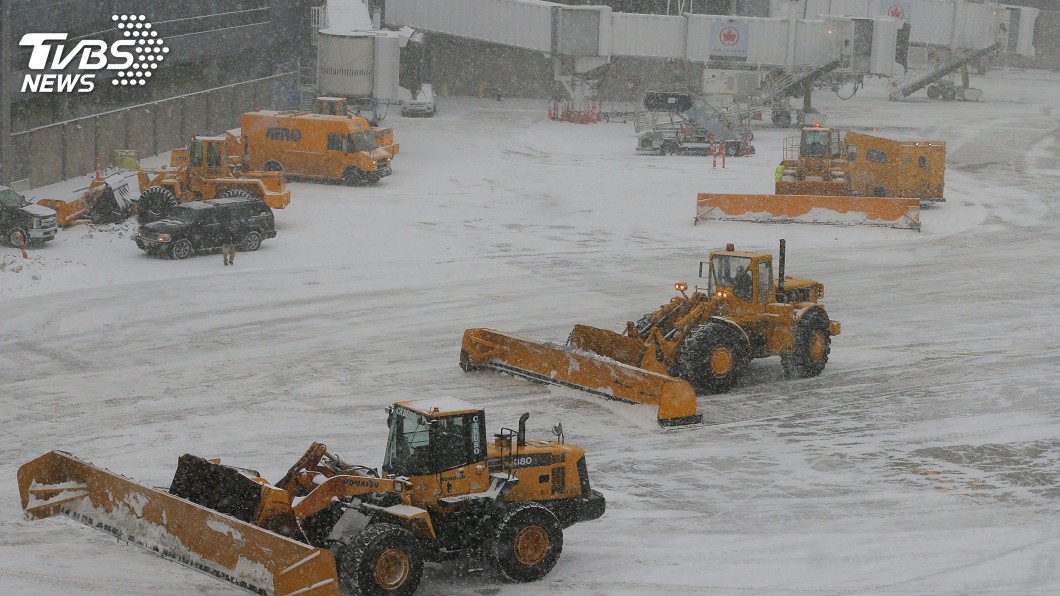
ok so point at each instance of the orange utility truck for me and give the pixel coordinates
(324, 146)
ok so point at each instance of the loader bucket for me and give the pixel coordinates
(486, 348)
(866, 211)
(175, 529)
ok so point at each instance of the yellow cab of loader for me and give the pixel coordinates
(814, 164)
(444, 492)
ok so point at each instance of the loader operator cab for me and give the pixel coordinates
(206, 157)
(739, 274)
(432, 436)
(820, 143)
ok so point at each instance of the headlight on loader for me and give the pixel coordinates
(164, 237)
(680, 286)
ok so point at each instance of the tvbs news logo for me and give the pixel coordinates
(135, 56)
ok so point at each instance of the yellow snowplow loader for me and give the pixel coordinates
(444, 492)
(699, 342)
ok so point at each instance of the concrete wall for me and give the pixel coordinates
(1046, 45)
(69, 149)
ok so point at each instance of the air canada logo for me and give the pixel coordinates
(896, 11)
(729, 36)
(135, 54)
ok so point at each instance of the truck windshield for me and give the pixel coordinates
(363, 141)
(726, 271)
(408, 447)
(10, 198)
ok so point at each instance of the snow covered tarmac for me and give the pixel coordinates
(925, 459)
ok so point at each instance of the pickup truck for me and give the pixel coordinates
(22, 221)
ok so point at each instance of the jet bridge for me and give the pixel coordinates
(581, 38)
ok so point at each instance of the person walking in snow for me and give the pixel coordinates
(228, 243)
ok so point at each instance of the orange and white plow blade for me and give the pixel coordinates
(487, 348)
(246, 555)
(820, 209)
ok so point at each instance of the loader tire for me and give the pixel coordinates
(812, 345)
(668, 148)
(713, 357)
(272, 166)
(732, 149)
(154, 204)
(382, 559)
(526, 543)
(235, 192)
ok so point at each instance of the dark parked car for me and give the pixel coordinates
(22, 221)
(201, 225)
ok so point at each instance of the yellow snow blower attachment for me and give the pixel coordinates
(221, 545)
(675, 398)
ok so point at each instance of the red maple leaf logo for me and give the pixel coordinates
(896, 11)
(729, 36)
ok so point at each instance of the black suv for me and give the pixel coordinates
(22, 221)
(200, 226)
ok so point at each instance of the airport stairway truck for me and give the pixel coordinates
(330, 144)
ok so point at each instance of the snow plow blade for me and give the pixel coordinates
(820, 209)
(486, 348)
(241, 553)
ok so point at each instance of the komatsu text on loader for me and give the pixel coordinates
(203, 171)
(701, 341)
(444, 492)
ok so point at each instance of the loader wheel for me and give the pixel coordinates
(932, 92)
(154, 204)
(353, 177)
(182, 249)
(812, 346)
(713, 357)
(668, 148)
(526, 543)
(382, 559)
(732, 149)
(272, 166)
(235, 192)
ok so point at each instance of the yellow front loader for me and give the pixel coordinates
(206, 169)
(701, 341)
(444, 492)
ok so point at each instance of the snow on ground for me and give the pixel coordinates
(925, 459)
